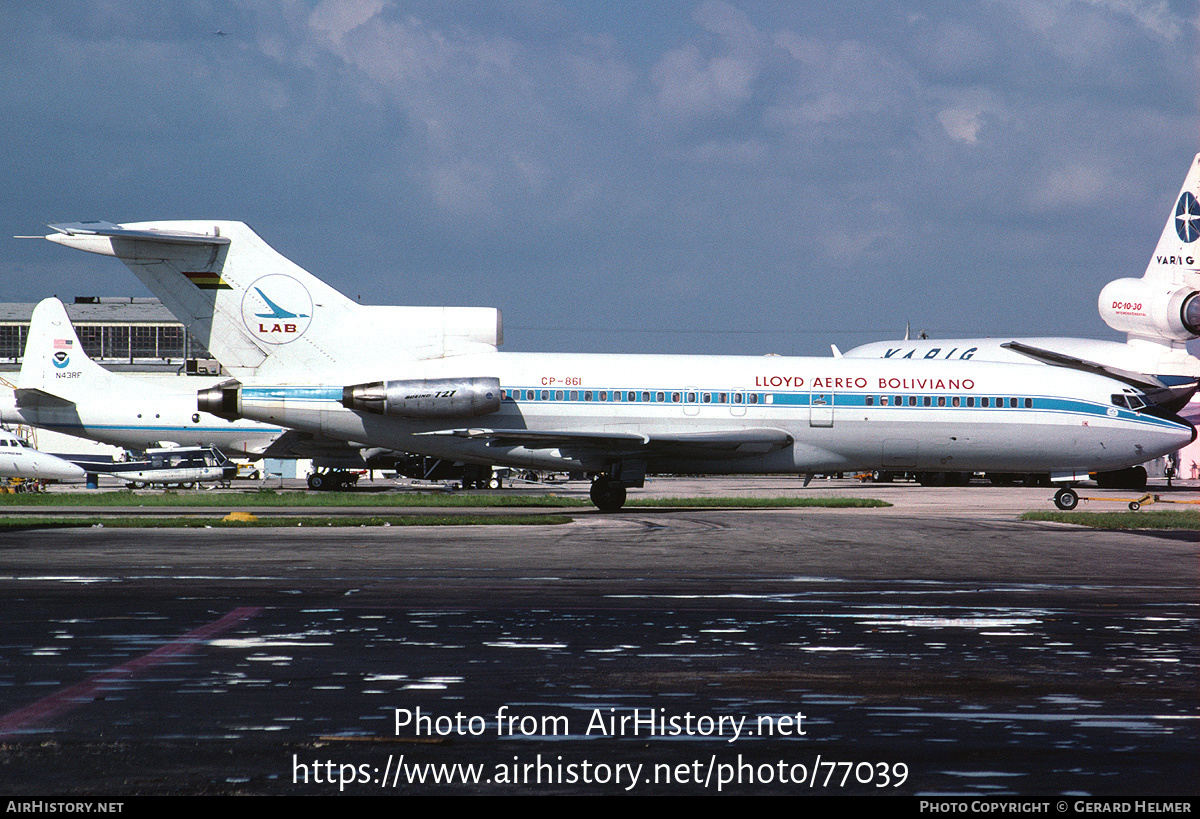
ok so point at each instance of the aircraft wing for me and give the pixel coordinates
(1171, 397)
(730, 443)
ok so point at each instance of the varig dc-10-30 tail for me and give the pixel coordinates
(262, 316)
(1159, 313)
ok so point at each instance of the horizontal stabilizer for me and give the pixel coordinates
(40, 398)
(117, 231)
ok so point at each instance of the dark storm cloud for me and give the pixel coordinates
(799, 172)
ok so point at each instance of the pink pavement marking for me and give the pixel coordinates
(75, 695)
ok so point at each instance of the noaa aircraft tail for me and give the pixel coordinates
(262, 315)
(54, 362)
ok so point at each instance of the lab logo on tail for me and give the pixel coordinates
(277, 309)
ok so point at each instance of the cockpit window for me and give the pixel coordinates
(1128, 400)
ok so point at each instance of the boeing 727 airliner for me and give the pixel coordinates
(430, 380)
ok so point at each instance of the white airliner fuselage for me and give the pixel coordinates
(792, 415)
(429, 380)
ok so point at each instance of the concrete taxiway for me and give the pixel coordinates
(939, 646)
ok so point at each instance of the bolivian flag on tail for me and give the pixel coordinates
(208, 281)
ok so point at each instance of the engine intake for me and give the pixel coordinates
(223, 400)
(426, 398)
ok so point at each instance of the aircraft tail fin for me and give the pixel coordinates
(1176, 259)
(262, 315)
(55, 362)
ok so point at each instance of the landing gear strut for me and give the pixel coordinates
(607, 494)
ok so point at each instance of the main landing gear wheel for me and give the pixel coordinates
(607, 494)
(1066, 499)
(316, 481)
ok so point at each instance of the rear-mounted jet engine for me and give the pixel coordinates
(426, 398)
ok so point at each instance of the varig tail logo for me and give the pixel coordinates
(60, 359)
(1187, 217)
(277, 309)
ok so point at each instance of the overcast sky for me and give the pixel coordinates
(727, 177)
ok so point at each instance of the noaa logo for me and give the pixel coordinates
(60, 359)
(1187, 217)
(277, 309)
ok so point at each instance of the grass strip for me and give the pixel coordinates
(275, 521)
(1164, 519)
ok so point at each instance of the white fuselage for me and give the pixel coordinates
(840, 414)
(19, 460)
(137, 417)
